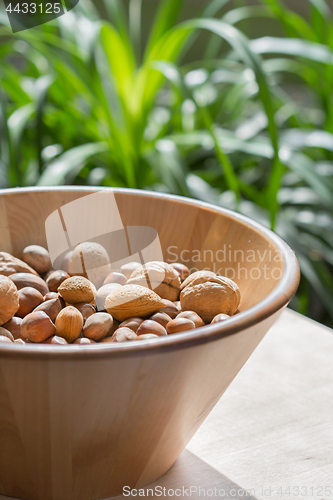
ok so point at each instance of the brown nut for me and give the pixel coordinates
(84, 341)
(51, 307)
(51, 295)
(86, 310)
(182, 270)
(115, 278)
(91, 260)
(23, 280)
(147, 336)
(14, 327)
(98, 326)
(10, 265)
(179, 325)
(150, 326)
(216, 295)
(47, 275)
(122, 335)
(4, 339)
(177, 304)
(6, 333)
(55, 279)
(37, 327)
(127, 269)
(29, 299)
(77, 289)
(132, 300)
(55, 340)
(9, 299)
(132, 323)
(199, 276)
(220, 317)
(193, 316)
(161, 318)
(158, 276)
(102, 293)
(170, 309)
(69, 324)
(38, 258)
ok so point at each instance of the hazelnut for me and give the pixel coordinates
(149, 326)
(84, 341)
(86, 310)
(122, 335)
(220, 317)
(132, 323)
(37, 327)
(55, 340)
(51, 295)
(182, 270)
(127, 269)
(23, 280)
(147, 336)
(29, 299)
(51, 307)
(5, 333)
(161, 318)
(179, 325)
(98, 326)
(115, 278)
(170, 309)
(38, 258)
(9, 299)
(77, 289)
(193, 316)
(14, 327)
(102, 293)
(69, 324)
(55, 279)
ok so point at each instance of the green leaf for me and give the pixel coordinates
(74, 159)
(165, 19)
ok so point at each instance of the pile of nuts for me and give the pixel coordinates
(137, 302)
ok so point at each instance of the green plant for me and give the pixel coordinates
(82, 101)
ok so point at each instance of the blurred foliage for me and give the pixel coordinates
(248, 126)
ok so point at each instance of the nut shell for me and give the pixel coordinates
(9, 299)
(23, 280)
(149, 326)
(37, 327)
(132, 300)
(77, 289)
(38, 258)
(51, 307)
(98, 326)
(14, 327)
(69, 324)
(10, 265)
(55, 279)
(6, 333)
(193, 316)
(91, 260)
(29, 299)
(214, 296)
(199, 276)
(158, 276)
(122, 335)
(102, 293)
(179, 325)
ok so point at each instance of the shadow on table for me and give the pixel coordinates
(188, 472)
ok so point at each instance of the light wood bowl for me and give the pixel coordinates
(82, 422)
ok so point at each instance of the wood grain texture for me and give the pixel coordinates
(78, 423)
(273, 427)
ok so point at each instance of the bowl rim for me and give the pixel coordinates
(273, 303)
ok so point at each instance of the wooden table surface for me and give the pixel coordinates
(271, 434)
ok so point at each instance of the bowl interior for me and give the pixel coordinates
(200, 236)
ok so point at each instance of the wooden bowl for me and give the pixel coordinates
(81, 422)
